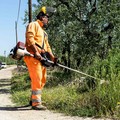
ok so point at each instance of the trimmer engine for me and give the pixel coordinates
(19, 51)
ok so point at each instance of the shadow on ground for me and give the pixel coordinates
(20, 108)
(4, 86)
(5, 89)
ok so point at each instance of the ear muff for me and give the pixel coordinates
(50, 10)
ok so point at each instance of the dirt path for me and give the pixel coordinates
(9, 112)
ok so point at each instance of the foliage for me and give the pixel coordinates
(107, 68)
(8, 60)
(85, 36)
(109, 71)
(98, 100)
(80, 30)
(63, 93)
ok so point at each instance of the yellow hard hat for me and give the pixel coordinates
(48, 10)
(43, 9)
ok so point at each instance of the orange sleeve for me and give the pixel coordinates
(30, 34)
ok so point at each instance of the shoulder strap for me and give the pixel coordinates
(42, 47)
(43, 40)
(39, 46)
(42, 43)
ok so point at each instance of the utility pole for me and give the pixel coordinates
(30, 10)
(16, 31)
(4, 56)
(16, 37)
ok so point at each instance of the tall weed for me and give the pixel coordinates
(108, 92)
(87, 98)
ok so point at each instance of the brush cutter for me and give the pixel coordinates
(19, 51)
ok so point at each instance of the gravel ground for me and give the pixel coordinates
(9, 112)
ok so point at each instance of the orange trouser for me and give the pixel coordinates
(38, 78)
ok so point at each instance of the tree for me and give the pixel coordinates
(80, 30)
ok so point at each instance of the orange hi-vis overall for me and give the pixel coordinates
(37, 72)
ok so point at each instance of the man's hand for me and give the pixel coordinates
(55, 60)
(38, 56)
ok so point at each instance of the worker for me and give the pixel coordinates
(35, 37)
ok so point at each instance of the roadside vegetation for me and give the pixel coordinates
(74, 94)
(7, 60)
(84, 35)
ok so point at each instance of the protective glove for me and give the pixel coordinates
(38, 56)
(45, 63)
(55, 61)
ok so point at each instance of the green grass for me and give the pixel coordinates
(67, 100)
(62, 93)
(76, 100)
(21, 97)
(20, 88)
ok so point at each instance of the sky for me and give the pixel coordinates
(8, 16)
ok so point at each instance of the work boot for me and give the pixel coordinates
(39, 107)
